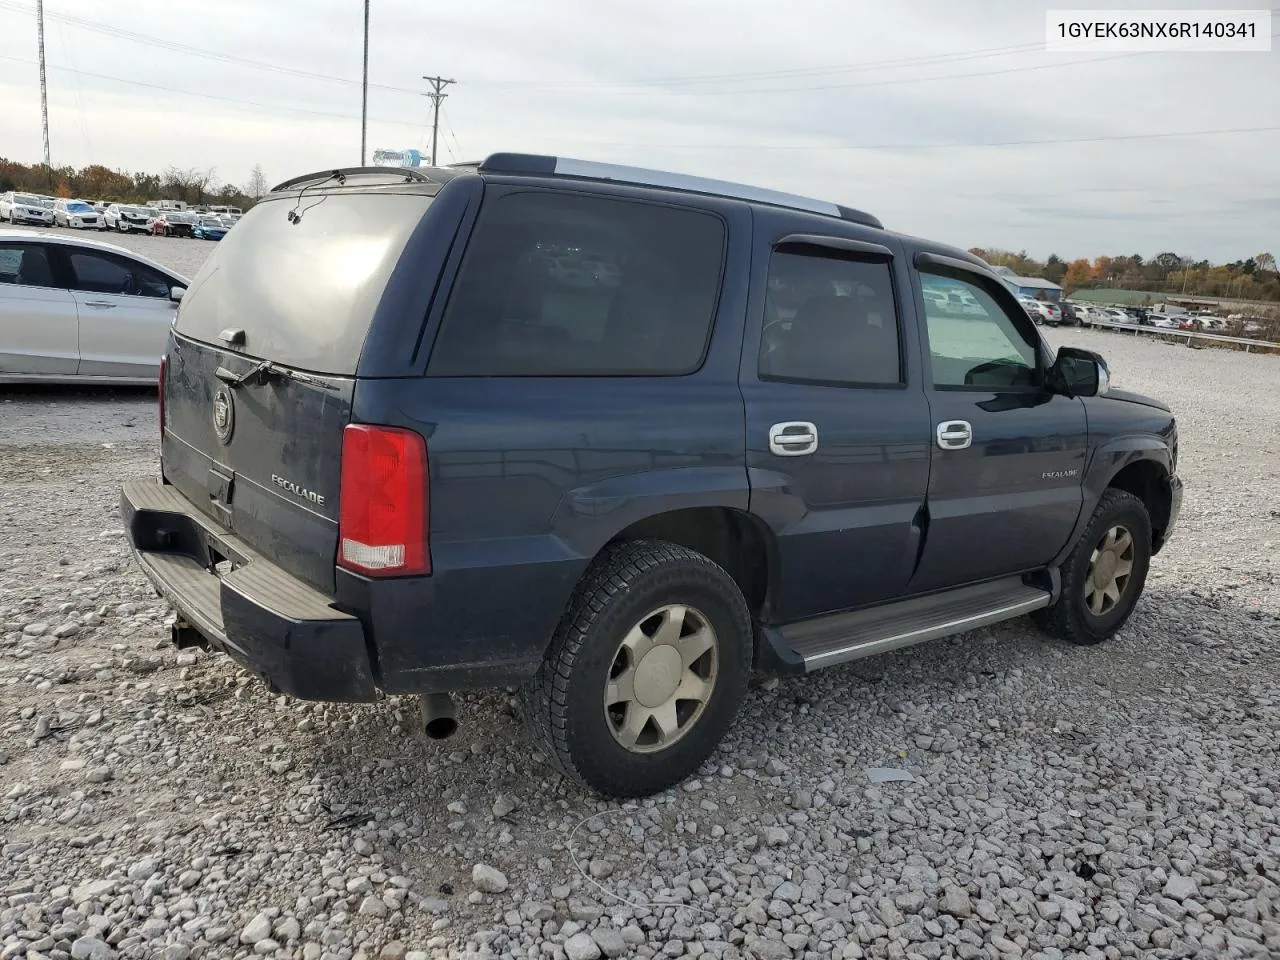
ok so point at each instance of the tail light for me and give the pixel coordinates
(164, 368)
(383, 502)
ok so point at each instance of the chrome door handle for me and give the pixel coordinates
(103, 304)
(793, 438)
(954, 434)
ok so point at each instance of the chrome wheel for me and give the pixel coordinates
(661, 678)
(1109, 568)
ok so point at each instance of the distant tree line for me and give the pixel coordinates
(1168, 273)
(96, 182)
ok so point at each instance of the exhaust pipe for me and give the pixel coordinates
(438, 719)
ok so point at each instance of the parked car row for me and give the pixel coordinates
(33, 209)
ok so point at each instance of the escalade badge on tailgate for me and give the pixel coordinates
(224, 414)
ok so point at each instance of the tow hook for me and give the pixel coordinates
(185, 635)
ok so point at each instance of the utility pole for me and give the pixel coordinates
(364, 88)
(44, 90)
(436, 95)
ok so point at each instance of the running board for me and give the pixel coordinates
(863, 633)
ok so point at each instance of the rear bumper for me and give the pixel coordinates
(279, 628)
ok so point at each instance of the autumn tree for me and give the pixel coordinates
(1265, 262)
(1101, 268)
(1078, 274)
(100, 183)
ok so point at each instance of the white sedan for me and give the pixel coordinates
(26, 208)
(76, 310)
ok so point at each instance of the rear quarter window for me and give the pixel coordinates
(560, 284)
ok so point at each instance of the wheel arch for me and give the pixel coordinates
(1146, 480)
(1137, 464)
(730, 537)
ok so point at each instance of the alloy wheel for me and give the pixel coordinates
(661, 679)
(1110, 567)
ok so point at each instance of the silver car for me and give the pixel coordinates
(76, 310)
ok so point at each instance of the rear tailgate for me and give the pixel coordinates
(261, 368)
(274, 479)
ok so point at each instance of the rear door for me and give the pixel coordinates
(837, 421)
(124, 313)
(1008, 454)
(37, 314)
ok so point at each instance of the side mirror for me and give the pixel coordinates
(177, 293)
(1079, 373)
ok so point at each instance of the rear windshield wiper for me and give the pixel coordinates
(264, 371)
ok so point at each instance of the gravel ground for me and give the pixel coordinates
(1115, 801)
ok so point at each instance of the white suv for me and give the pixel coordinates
(26, 208)
(77, 214)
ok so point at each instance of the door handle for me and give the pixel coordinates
(954, 434)
(793, 438)
(101, 304)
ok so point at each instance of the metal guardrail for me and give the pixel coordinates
(1190, 335)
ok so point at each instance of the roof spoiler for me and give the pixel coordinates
(404, 174)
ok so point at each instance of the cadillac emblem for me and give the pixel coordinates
(224, 414)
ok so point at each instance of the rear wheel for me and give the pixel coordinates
(1103, 576)
(646, 670)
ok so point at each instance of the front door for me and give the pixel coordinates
(837, 430)
(125, 314)
(1007, 454)
(37, 315)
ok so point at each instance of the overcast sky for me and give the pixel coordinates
(883, 106)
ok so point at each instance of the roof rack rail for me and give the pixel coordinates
(406, 173)
(532, 164)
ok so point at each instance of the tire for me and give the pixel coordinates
(1080, 615)
(629, 594)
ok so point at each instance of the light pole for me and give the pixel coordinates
(364, 89)
(44, 90)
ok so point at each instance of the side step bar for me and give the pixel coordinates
(826, 641)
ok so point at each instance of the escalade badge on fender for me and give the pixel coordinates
(224, 414)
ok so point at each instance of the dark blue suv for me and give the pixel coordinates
(620, 437)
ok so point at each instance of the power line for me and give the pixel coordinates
(436, 96)
(449, 126)
(620, 87)
(164, 88)
(133, 36)
(273, 107)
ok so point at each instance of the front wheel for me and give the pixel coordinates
(1103, 576)
(646, 670)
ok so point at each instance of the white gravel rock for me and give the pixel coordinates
(581, 946)
(488, 879)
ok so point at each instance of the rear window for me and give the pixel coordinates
(558, 284)
(304, 293)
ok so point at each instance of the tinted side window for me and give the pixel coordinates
(25, 264)
(830, 319)
(103, 273)
(973, 341)
(556, 284)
